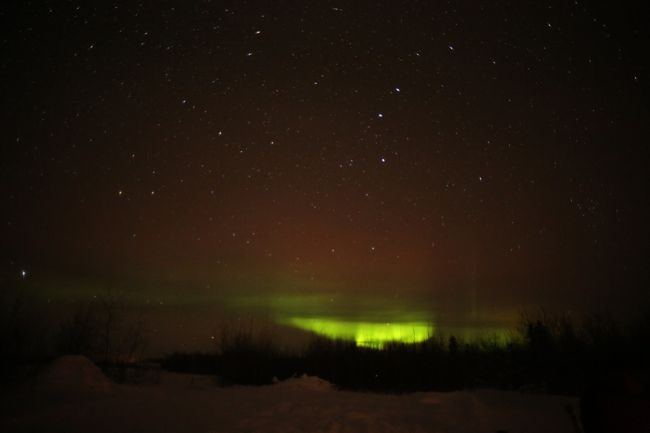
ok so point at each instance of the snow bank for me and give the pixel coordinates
(304, 382)
(299, 405)
(72, 375)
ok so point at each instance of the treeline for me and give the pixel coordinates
(547, 353)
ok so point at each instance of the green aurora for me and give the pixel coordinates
(369, 322)
(365, 334)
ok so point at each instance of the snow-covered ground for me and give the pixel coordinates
(76, 398)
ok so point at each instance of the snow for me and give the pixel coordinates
(72, 374)
(308, 383)
(189, 403)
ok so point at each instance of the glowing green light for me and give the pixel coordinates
(366, 334)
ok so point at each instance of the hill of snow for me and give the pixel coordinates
(72, 374)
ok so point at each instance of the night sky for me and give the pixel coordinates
(466, 158)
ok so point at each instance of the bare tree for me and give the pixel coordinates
(104, 329)
(111, 306)
(78, 334)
